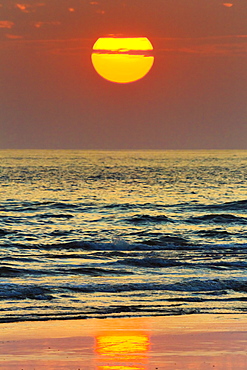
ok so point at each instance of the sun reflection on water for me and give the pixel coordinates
(122, 351)
(120, 367)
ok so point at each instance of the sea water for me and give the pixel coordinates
(125, 233)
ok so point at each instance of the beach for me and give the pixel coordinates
(141, 343)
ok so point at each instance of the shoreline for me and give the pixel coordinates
(119, 317)
(195, 341)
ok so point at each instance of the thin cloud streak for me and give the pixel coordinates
(29, 8)
(220, 45)
(6, 24)
(13, 37)
(202, 38)
(41, 24)
(228, 5)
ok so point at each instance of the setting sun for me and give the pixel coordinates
(122, 60)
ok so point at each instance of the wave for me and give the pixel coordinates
(6, 271)
(215, 233)
(16, 291)
(162, 243)
(239, 205)
(103, 312)
(234, 265)
(154, 262)
(54, 215)
(180, 298)
(10, 271)
(160, 262)
(142, 219)
(220, 218)
(35, 292)
(131, 206)
(4, 232)
(94, 271)
(36, 206)
(115, 268)
(19, 259)
(195, 285)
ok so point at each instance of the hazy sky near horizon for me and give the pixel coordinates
(195, 96)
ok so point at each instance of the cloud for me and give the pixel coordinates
(216, 49)
(22, 7)
(6, 24)
(53, 46)
(28, 8)
(206, 46)
(14, 37)
(41, 24)
(228, 5)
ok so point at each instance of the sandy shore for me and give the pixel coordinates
(149, 343)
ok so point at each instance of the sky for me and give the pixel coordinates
(194, 97)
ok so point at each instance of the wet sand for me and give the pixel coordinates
(149, 343)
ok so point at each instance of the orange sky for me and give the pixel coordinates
(194, 97)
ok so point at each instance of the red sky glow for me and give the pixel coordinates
(193, 98)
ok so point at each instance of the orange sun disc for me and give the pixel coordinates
(121, 59)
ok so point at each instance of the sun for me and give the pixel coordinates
(122, 59)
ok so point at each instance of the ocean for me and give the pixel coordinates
(122, 233)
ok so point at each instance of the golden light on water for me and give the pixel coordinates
(122, 351)
(122, 60)
(127, 345)
(109, 367)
